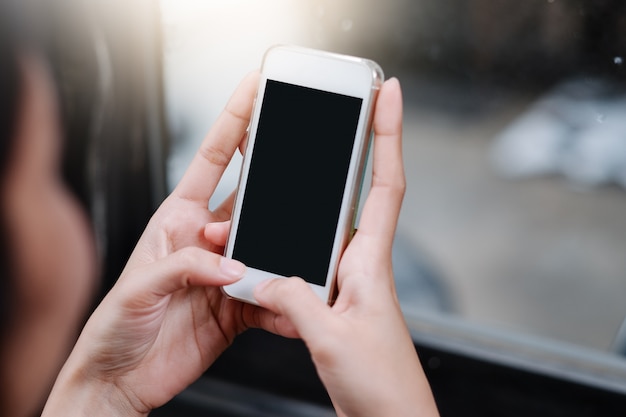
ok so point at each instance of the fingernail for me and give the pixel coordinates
(232, 268)
(262, 285)
(260, 289)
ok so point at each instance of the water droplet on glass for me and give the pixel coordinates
(346, 25)
(618, 60)
(600, 118)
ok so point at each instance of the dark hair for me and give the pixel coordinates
(9, 84)
(10, 93)
(14, 41)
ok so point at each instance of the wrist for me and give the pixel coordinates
(76, 393)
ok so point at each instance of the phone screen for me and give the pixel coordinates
(296, 181)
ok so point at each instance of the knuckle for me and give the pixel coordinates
(400, 183)
(214, 155)
(396, 186)
(187, 257)
(234, 112)
(324, 351)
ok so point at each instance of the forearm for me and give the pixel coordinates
(419, 405)
(76, 394)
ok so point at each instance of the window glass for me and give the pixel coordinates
(515, 143)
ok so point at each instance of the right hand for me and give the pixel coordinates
(361, 346)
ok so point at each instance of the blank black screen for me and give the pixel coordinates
(296, 181)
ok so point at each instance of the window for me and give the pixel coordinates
(512, 237)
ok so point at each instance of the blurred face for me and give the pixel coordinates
(53, 252)
(52, 241)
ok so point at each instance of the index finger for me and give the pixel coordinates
(218, 146)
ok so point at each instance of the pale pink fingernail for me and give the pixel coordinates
(262, 285)
(232, 268)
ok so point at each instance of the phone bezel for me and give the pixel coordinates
(324, 71)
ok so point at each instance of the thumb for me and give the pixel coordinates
(188, 267)
(293, 299)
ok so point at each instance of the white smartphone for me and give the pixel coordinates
(303, 167)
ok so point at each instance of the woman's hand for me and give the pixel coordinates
(166, 319)
(361, 347)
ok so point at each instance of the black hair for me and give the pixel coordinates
(10, 93)
(11, 83)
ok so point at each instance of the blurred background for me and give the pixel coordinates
(514, 220)
(515, 143)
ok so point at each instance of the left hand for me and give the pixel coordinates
(361, 346)
(166, 319)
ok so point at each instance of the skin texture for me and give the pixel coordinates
(53, 256)
(166, 320)
(361, 346)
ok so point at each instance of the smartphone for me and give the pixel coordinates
(303, 167)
